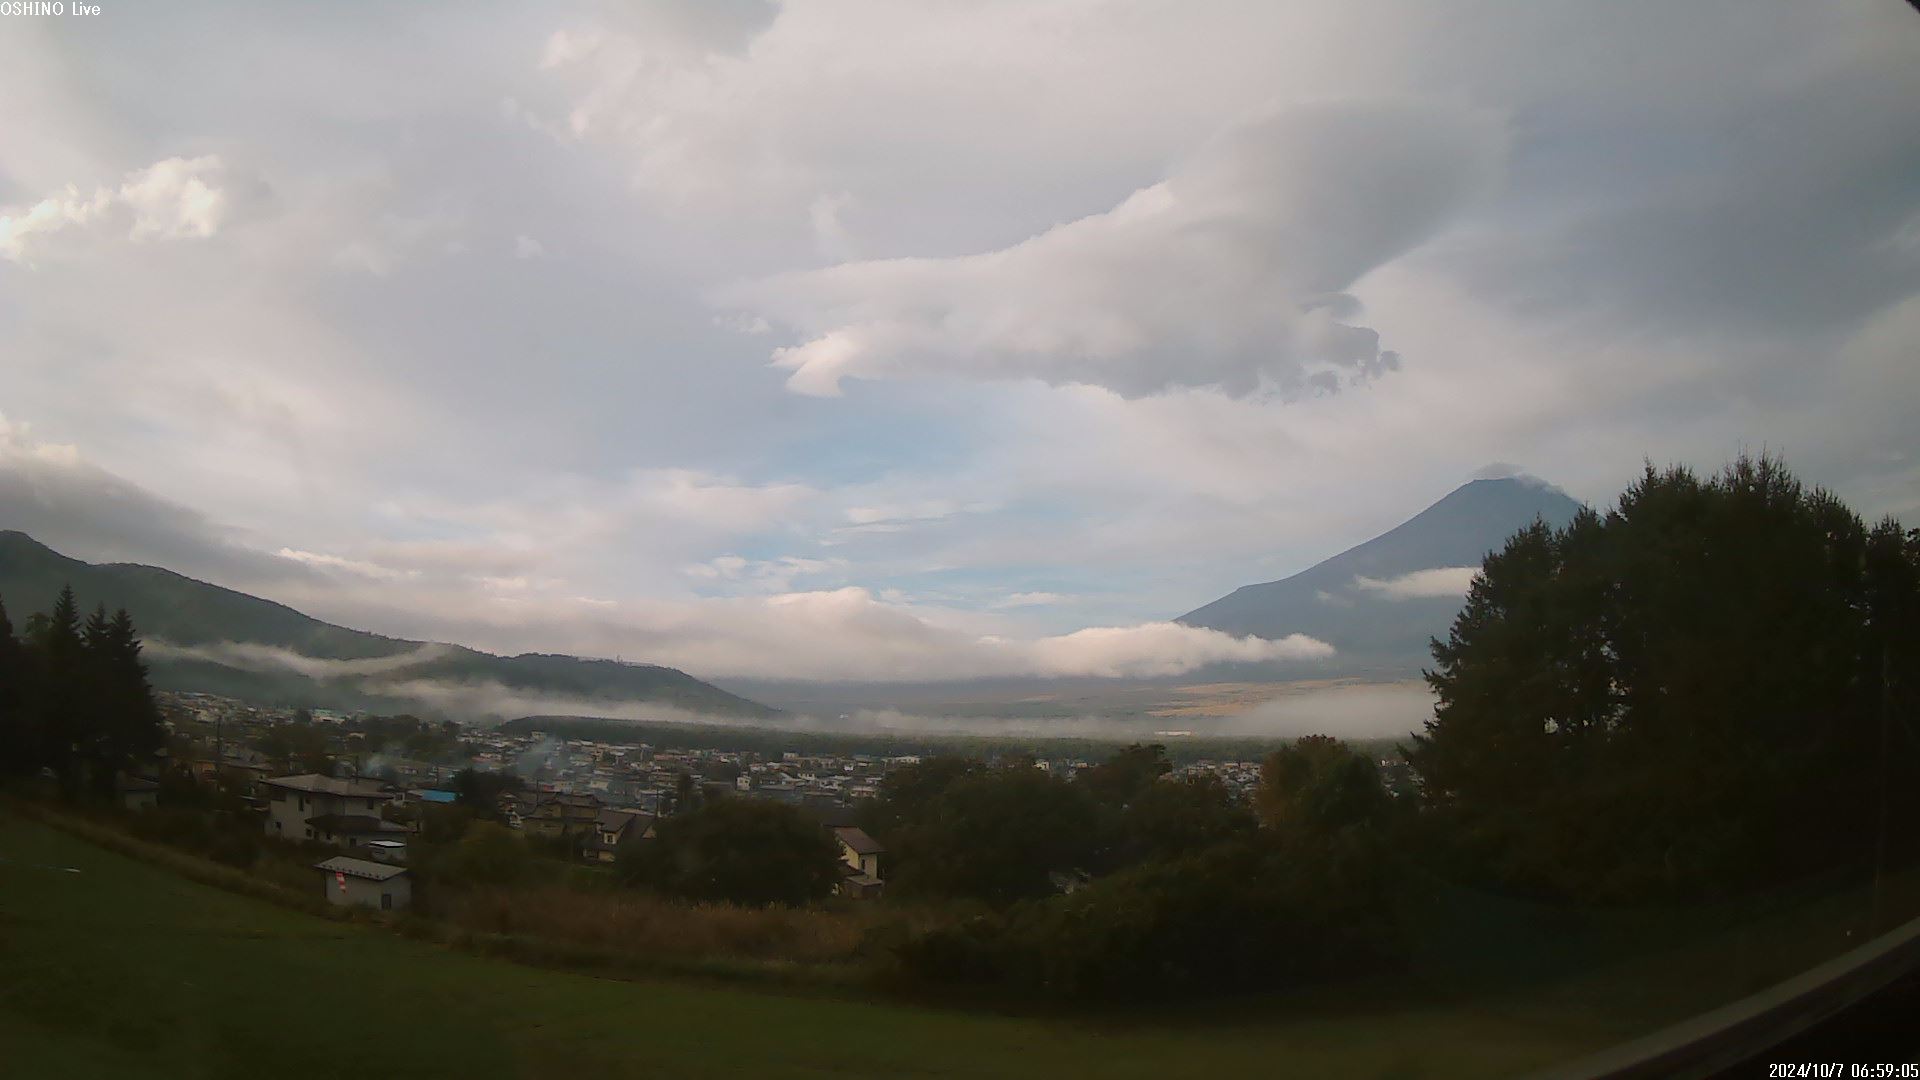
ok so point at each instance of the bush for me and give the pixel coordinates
(189, 830)
(235, 848)
(742, 851)
(654, 929)
(1258, 914)
(996, 835)
(487, 855)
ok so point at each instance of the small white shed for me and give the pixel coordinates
(380, 886)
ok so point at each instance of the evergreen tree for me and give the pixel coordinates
(131, 728)
(74, 697)
(17, 744)
(57, 686)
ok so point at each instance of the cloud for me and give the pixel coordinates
(392, 240)
(764, 575)
(174, 199)
(850, 634)
(1439, 582)
(488, 596)
(1158, 649)
(53, 493)
(1030, 599)
(830, 234)
(1708, 248)
(252, 656)
(1231, 273)
(1380, 711)
(695, 497)
(351, 566)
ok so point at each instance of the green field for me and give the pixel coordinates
(111, 967)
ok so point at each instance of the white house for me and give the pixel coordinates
(349, 881)
(335, 811)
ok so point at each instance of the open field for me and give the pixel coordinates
(113, 967)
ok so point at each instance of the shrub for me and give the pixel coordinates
(1262, 913)
(487, 855)
(996, 835)
(654, 928)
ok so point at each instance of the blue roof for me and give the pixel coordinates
(434, 795)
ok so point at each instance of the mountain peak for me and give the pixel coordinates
(1371, 602)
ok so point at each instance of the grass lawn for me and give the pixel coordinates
(111, 967)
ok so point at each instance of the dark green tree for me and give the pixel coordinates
(740, 851)
(480, 791)
(19, 744)
(118, 721)
(1319, 784)
(906, 793)
(1123, 777)
(59, 687)
(298, 748)
(1689, 695)
(997, 836)
(1174, 819)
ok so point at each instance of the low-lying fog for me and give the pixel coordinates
(1082, 709)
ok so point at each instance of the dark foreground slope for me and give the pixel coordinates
(116, 968)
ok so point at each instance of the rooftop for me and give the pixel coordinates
(357, 787)
(859, 842)
(360, 868)
(616, 820)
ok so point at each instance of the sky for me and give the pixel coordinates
(829, 339)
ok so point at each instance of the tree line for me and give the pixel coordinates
(74, 697)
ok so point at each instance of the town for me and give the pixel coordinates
(358, 782)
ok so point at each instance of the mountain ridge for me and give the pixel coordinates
(208, 637)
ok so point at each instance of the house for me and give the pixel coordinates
(860, 861)
(303, 807)
(616, 828)
(559, 814)
(347, 882)
(137, 793)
